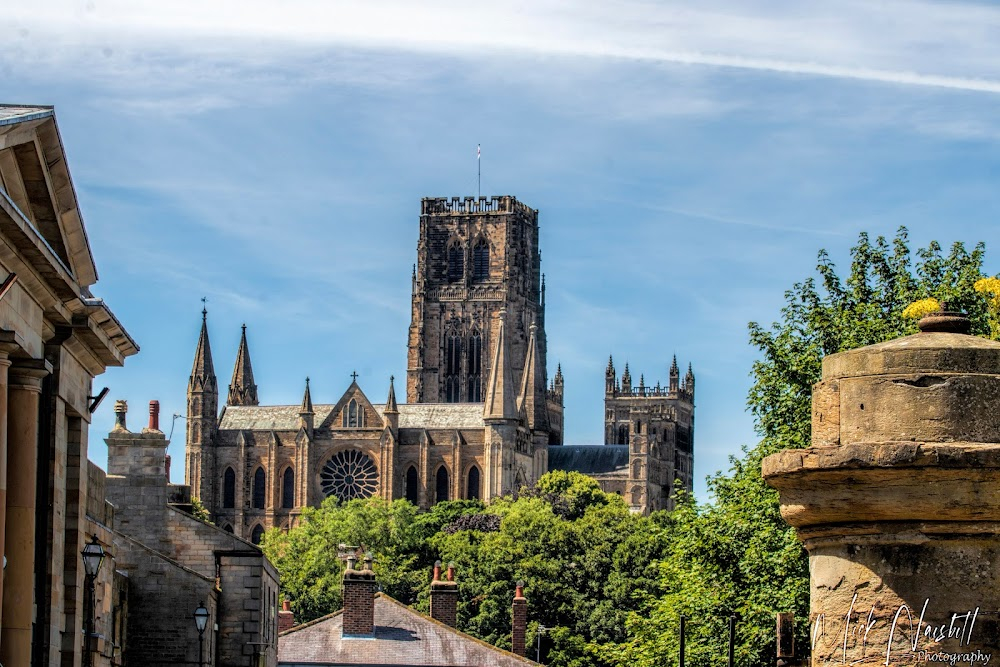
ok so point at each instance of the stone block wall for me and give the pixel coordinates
(163, 596)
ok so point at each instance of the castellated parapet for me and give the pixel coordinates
(897, 500)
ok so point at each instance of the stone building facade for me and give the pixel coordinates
(55, 338)
(481, 416)
(174, 562)
(648, 451)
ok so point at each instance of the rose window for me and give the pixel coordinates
(349, 475)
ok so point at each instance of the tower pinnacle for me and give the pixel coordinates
(242, 390)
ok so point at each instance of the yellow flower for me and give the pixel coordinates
(918, 309)
(989, 286)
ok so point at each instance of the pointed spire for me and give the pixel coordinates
(306, 413)
(390, 403)
(675, 375)
(559, 375)
(501, 402)
(611, 365)
(673, 367)
(626, 380)
(203, 371)
(531, 399)
(689, 380)
(307, 402)
(242, 390)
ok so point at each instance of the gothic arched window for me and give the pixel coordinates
(456, 263)
(412, 493)
(259, 489)
(226, 527)
(441, 490)
(472, 486)
(623, 434)
(354, 415)
(475, 368)
(452, 368)
(481, 261)
(256, 534)
(288, 489)
(229, 489)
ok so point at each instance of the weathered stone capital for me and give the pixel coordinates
(27, 374)
(8, 344)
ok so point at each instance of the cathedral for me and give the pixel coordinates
(481, 419)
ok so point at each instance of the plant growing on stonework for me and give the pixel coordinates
(199, 511)
(735, 555)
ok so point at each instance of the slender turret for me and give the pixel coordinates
(242, 390)
(202, 418)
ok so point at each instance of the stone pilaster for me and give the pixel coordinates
(24, 389)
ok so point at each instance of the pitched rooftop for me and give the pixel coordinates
(402, 637)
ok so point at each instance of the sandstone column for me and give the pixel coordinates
(6, 346)
(25, 385)
(897, 500)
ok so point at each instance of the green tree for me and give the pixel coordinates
(735, 555)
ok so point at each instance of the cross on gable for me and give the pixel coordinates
(354, 376)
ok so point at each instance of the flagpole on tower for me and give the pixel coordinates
(479, 171)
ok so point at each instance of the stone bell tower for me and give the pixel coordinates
(475, 257)
(898, 500)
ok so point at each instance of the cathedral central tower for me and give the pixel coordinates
(475, 257)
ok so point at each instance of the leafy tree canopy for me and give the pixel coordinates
(585, 559)
(735, 555)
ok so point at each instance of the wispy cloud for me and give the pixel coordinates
(940, 45)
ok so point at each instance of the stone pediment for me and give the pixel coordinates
(364, 415)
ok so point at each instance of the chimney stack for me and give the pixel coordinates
(444, 596)
(359, 600)
(154, 416)
(286, 619)
(519, 623)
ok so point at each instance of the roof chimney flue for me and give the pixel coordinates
(444, 596)
(519, 620)
(359, 600)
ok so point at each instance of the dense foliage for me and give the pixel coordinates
(735, 556)
(609, 585)
(585, 559)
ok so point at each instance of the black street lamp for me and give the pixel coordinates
(93, 555)
(201, 615)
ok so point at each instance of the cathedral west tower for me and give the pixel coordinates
(475, 257)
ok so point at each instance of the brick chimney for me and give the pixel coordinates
(444, 596)
(519, 622)
(286, 619)
(359, 600)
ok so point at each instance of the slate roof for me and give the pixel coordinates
(415, 415)
(403, 637)
(589, 459)
(16, 113)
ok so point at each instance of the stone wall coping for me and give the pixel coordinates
(931, 353)
(886, 455)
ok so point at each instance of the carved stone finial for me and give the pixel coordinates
(945, 321)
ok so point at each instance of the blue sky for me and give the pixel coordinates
(688, 161)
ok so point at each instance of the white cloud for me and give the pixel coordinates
(942, 45)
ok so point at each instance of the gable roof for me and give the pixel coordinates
(355, 392)
(403, 637)
(61, 225)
